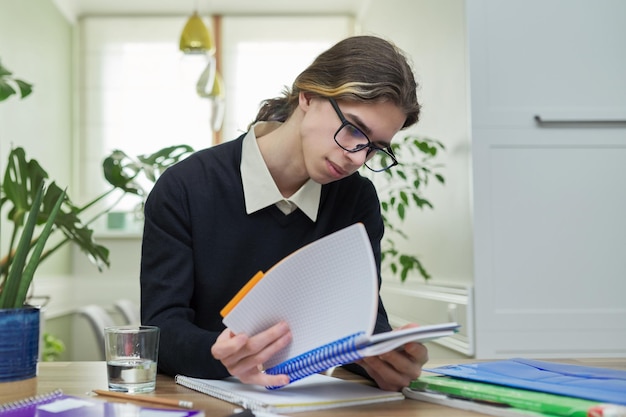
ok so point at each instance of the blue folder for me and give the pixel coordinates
(592, 383)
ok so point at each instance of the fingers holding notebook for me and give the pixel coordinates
(243, 356)
(394, 370)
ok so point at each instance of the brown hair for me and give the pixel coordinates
(358, 68)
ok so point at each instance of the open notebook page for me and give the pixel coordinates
(308, 290)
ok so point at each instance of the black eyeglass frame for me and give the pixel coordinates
(369, 145)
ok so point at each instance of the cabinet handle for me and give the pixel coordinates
(608, 122)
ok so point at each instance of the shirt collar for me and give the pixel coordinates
(259, 188)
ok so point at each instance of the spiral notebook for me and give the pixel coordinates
(327, 292)
(314, 393)
(482, 407)
(57, 404)
(587, 382)
(499, 397)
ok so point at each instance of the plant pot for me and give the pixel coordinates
(19, 349)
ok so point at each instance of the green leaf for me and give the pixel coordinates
(8, 84)
(120, 171)
(421, 202)
(33, 262)
(25, 88)
(4, 72)
(401, 211)
(404, 274)
(404, 197)
(6, 90)
(402, 189)
(82, 236)
(52, 347)
(8, 296)
(30, 203)
(21, 183)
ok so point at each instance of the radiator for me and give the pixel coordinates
(432, 304)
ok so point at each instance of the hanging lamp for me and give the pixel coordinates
(196, 38)
(218, 103)
(210, 84)
(218, 86)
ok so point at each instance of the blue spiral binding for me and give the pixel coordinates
(336, 353)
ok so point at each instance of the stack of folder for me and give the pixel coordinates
(525, 387)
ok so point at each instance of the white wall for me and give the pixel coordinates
(432, 32)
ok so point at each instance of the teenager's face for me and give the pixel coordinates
(324, 160)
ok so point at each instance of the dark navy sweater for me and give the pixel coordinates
(200, 247)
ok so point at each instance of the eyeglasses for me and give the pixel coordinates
(352, 139)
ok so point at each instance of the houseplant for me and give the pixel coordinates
(31, 201)
(39, 208)
(400, 190)
(20, 325)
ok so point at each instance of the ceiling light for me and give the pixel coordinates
(196, 38)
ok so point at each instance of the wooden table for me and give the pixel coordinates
(79, 378)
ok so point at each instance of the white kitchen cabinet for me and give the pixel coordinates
(549, 197)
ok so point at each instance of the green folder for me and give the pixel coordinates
(540, 402)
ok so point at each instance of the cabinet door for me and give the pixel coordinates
(557, 59)
(549, 198)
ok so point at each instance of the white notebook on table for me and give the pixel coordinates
(316, 392)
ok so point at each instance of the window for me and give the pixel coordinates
(262, 55)
(137, 90)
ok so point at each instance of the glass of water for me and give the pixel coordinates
(131, 356)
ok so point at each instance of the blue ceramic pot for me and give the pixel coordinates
(19, 343)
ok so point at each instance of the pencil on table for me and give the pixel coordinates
(145, 398)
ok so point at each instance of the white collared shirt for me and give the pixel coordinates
(260, 190)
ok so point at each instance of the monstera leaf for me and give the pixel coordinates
(24, 178)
